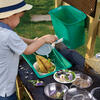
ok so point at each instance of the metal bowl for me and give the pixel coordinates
(82, 81)
(96, 93)
(55, 90)
(77, 94)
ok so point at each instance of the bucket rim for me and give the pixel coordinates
(83, 18)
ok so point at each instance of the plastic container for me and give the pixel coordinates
(69, 23)
(59, 61)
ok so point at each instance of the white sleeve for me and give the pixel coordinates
(16, 44)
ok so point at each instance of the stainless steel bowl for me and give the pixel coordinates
(96, 93)
(82, 81)
(55, 90)
(77, 94)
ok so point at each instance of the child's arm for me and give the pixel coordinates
(28, 41)
(39, 42)
(18, 46)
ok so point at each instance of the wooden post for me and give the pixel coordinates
(99, 21)
(64, 3)
(19, 88)
(93, 26)
(28, 94)
(58, 3)
(99, 29)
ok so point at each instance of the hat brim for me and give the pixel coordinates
(10, 13)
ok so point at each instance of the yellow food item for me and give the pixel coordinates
(43, 63)
(41, 66)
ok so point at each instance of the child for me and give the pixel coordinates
(11, 45)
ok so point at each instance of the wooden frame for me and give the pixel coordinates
(58, 3)
(93, 31)
(99, 28)
(20, 88)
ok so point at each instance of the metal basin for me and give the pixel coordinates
(77, 94)
(96, 93)
(55, 90)
(82, 81)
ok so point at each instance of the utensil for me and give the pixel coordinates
(77, 94)
(36, 66)
(60, 76)
(55, 90)
(47, 48)
(82, 81)
(56, 42)
(44, 50)
(96, 93)
(98, 55)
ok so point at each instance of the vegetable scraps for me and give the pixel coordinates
(65, 75)
(36, 82)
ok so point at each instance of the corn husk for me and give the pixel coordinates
(41, 65)
(45, 62)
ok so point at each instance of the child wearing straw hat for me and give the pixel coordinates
(12, 46)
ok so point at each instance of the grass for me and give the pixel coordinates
(31, 30)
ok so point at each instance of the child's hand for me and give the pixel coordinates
(35, 39)
(49, 38)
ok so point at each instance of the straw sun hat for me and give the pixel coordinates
(10, 7)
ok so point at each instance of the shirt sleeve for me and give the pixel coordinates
(16, 44)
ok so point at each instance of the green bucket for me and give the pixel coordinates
(69, 24)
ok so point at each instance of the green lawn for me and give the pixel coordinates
(32, 29)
